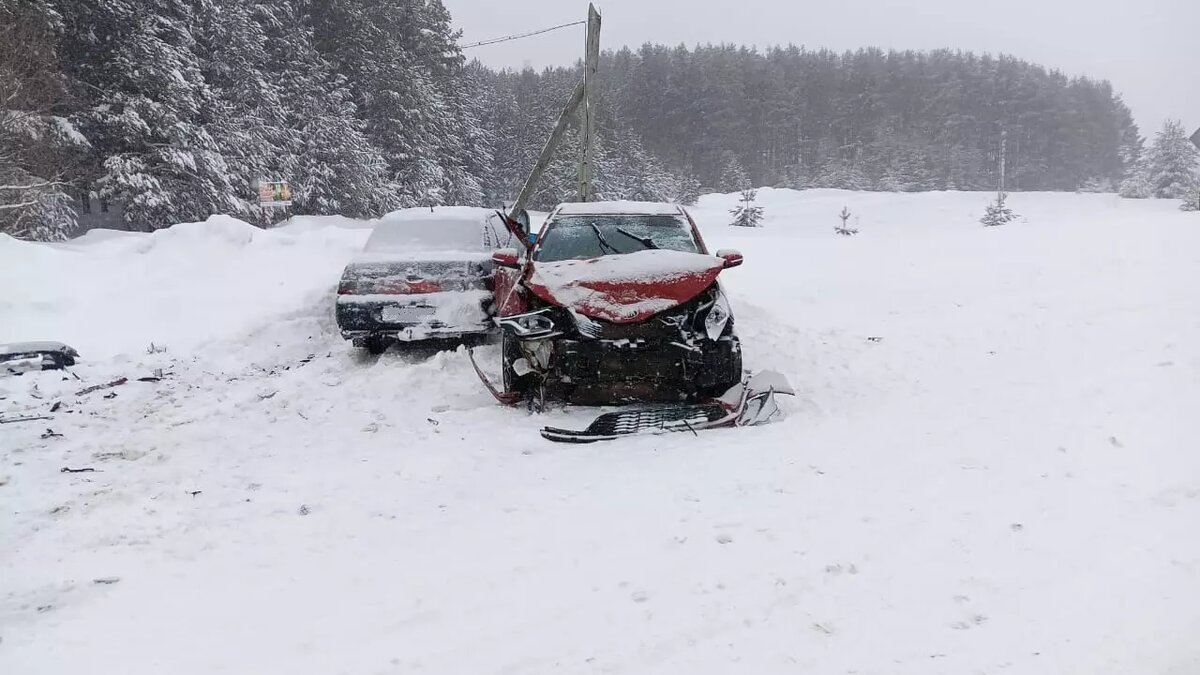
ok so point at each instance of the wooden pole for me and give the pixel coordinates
(548, 150)
(591, 63)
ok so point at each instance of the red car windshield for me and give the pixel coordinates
(582, 237)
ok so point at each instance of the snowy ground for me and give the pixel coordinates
(1007, 480)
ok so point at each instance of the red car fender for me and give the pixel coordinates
(510, 297)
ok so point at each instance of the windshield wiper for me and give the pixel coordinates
(603, 242)
(644, 241)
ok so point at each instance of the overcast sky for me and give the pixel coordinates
(1148, 49)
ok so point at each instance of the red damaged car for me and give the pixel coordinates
(616, 302)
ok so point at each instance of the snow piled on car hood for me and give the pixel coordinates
(628, 287)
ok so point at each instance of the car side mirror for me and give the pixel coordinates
(731, 257)
(506, 257)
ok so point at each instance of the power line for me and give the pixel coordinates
(522, 35)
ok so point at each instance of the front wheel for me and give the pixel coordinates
(375, 345)
(510, 353)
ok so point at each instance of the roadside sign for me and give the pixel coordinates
(273, 194)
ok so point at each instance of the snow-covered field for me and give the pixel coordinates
(993, 464)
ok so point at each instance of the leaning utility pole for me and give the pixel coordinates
(548, 149)
(591, 63)
(583, 95)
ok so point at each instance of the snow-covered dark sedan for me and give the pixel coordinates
(424, 274)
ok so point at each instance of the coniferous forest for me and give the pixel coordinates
(173, 109)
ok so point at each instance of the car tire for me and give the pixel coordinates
(510, 352)
(375, 345)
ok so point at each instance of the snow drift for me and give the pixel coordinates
(990, 466)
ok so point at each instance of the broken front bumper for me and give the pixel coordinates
(614, 371)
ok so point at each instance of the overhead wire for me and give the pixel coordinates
(519, 36)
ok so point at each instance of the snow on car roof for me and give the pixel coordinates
(622, 207)
(443, 228)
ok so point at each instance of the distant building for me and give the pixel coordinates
(94, 213)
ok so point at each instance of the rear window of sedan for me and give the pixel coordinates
(438, 235)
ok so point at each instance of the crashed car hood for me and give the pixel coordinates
(625, 288)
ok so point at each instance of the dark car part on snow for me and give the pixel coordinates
(107, 385)
(22, 357)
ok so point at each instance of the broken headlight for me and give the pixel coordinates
(537, 325)
(718, 316)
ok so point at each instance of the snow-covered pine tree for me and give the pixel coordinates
(336, 169)
(997, 213)
(250, 118)
(1172, 162)
(1096, 185)
(1191, 200)
(733, 175)
(149, 110)
(1137, 182)
(467, 158)
(463, 147)
(383, 50)
(746, 213)
(624, 170)
(841, 175)
(687, 189)
(844, 229)
(39, 149)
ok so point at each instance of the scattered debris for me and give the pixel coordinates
(195, 492)
(50, 433)
(307, 359)
(1016, 527)
(111, 395)
(1115, 443)
(432, 421)
(107, 581)
(97, 387)
(875, 339)
(263, 397)
(86, 469)
(56, 406)
(304, 510)
(156, 349)
(24, 418)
